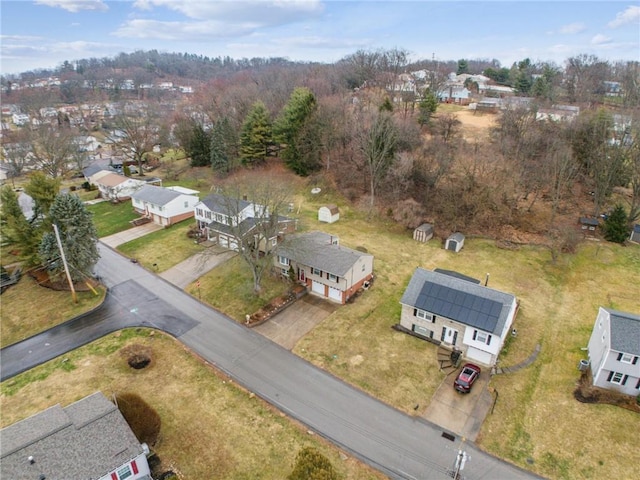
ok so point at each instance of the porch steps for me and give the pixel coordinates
(445, 362)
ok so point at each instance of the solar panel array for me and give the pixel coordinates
(461, 306)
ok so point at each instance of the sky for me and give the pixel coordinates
(44, 33)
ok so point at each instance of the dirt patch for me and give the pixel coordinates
(41, 276)
(586, 392)
(137, 356)
(476, 125)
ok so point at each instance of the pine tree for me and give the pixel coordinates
(78, 236)
(256, 135)
(615, 226)
(426, 108)
(222, 146)
(21, 234)
(291, 128)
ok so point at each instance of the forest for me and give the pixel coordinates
(394, 151)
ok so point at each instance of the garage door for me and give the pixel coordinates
(335, 294)
(478, 356)
(317, 287)
(224, 241)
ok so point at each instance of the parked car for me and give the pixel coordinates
(466, 378)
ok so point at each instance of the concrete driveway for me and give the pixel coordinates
(131, 234)
(293, 323)
(460, 413)
(197, 265)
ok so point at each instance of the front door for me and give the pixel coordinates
(449, 335)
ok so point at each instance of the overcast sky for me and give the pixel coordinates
(44, 33)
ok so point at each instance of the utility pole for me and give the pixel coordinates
(64, 262)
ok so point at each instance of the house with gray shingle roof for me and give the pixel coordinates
(87, 439)
(614, 351)
(327, 268)
(231, 222)
(456, 311)
(165, 205)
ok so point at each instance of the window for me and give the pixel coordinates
(617, 378)
(482, 337)
(274, 241)
(283, 260)
(124, 472)
(422, 331)
(199, 212)
(638, 384)
(207, 215)
(332, 277)
(285, 272)
(626, 358)
(424, 315)
(186, 204)
(316, 271)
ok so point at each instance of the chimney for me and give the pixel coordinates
(486, 280)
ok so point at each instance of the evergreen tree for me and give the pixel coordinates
(291, 128)
(312, 465)
(21, 234)
(43, 190)
(615, 226)
(463, 67)
(78, 236)
(426, 108)
(222, 146)
(256, 135)
(199, 149)
(386, 106)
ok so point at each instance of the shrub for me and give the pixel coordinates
(141, 417)
(312, 465)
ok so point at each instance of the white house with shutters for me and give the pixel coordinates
(165, 205)
(614, 351)
(454, 310)
(87, 439)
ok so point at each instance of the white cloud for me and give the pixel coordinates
(630, 15)
(600, 39)
(75, 6)
(141, 28)
(321, 42)
(572, 28)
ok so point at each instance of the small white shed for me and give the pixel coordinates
(423, 233)
(328, 213)
(455, 242)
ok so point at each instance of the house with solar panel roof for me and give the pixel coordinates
(456, 311)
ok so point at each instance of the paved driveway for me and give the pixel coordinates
(197, 265)
(131, 234)
(460, 413)
(293, 323)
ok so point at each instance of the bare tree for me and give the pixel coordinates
(53, 149)
(377, 143)
(137, 132)
(16, 151)
(256, 235)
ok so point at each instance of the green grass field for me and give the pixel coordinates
(110, 218)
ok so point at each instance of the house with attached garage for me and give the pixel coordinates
(456, 311)
(614, 351)
(230, 222)
(117, 187)
(87, 439)
(165, 206)
(328, 269)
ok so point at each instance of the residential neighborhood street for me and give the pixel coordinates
(399, 445)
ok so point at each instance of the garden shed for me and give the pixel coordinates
(328, 214)
(635, 233)
(588, 225)
(455, 242)
(423, 233)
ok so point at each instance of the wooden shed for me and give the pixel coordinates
(588, 225)
(635, 233)
(328, 214)
(423, 233)
(455, 242)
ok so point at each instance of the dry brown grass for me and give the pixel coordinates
(211, 428)
(28, 308)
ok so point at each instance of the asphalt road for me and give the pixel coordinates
(400, 446)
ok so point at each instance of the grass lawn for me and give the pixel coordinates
(28, 308)
(110, 218)
(211, 428)
(164, 248)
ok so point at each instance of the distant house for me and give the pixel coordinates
(329, 269)
(635, 233)
(454, 93)
(87, 439)
(20, 119)
(558, 113)
(614, 351)
(165, 206)
(455, 242)
(423, 233)
(457, 312)
(118, 187)
(220, 219)
(328, 214)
